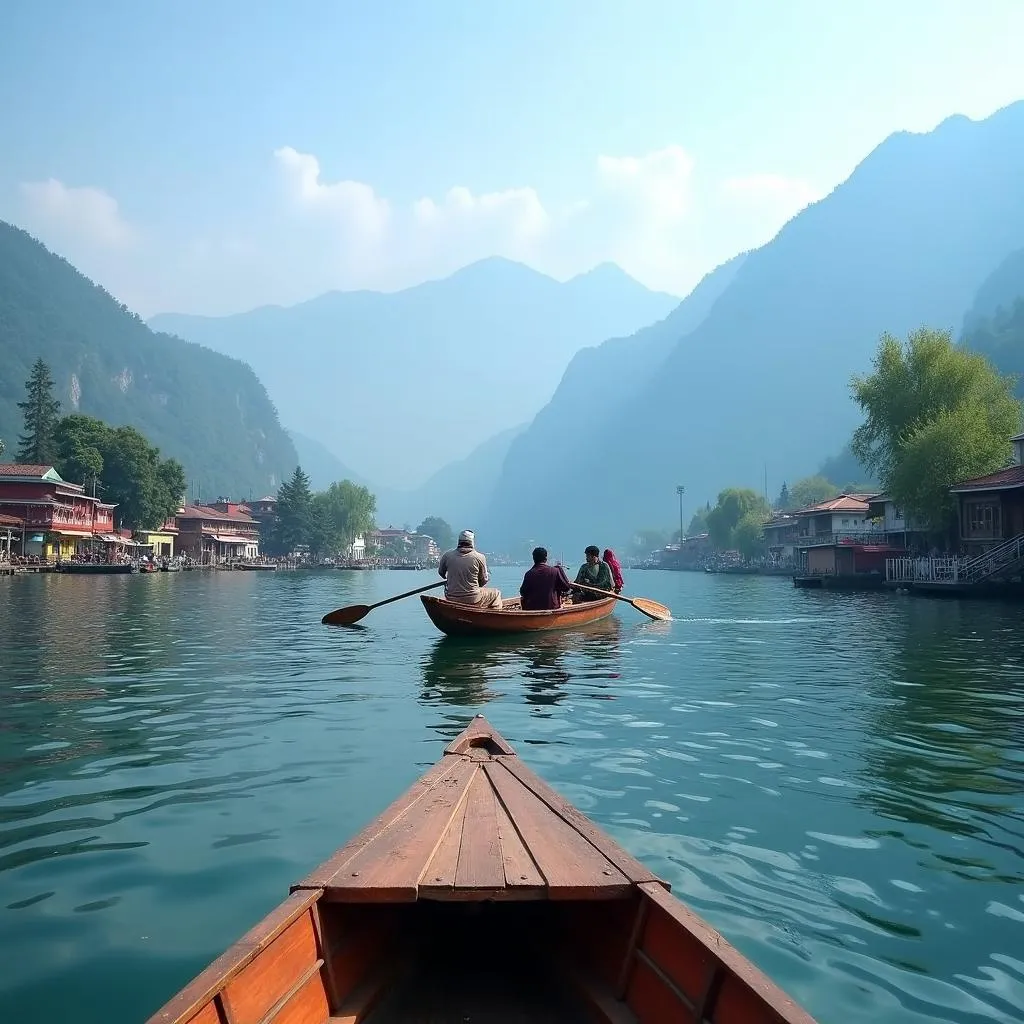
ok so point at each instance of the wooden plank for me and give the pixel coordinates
(207, 1015)
(479, 733)
(571, 866)
(652, 998)
(183, 1007)
(307, 1006)
(521, 873)
(438, 878)
(262, 983)
(742, 977)
(333, 870)
(389, 868)
(480, 864)
(627, 864)
(324, 953)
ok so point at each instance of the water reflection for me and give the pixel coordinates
(947, 729)
(472, 672)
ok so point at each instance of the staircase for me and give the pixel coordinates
(998, 560)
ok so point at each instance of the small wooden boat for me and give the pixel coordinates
(465, 620)
(481, 895)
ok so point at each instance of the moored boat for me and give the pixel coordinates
(466, 620)
(97, 568)
(481, 894)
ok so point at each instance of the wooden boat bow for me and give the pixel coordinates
(478, 825)
(481, 894)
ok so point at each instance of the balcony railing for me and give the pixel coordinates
(845, 537)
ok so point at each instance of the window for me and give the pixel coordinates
(983, 519)
(897, 512)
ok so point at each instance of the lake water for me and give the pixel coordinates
(835, 781)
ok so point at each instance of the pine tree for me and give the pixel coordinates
(37, 446)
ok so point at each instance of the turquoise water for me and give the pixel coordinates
(834, 781)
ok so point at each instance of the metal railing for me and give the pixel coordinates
(843, 537)
(1004, 556)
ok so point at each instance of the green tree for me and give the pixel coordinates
(442, 533)
(810, 491)
(41, 412)
(733, 504)
(125, 468)
(339, 515)
(699, 521)
(294, 512)
(3, 447)
(934, 414)
(783, 502)
(748, 536)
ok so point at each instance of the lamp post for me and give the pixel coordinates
(680, 490)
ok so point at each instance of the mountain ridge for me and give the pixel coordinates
(906, 240)
(463, 358)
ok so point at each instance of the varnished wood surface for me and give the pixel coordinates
(481, 894)
(479, 826)
(466, 620)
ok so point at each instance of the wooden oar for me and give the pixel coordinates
(354, 612)
(652, 609)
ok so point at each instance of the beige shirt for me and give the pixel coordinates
(465, 570)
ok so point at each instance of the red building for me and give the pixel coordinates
(56, 519)
(218, 533)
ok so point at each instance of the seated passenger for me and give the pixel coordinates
(544, 585)
(594, 573)
(613, 563)
(464, 570)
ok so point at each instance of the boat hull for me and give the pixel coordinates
(465, 620)
(481, 894)
(95, 569)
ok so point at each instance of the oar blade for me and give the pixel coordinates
(346, 616)
(652, 608)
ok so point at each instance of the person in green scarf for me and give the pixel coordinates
(594, 573)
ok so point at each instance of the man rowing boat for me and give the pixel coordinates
(464, 570)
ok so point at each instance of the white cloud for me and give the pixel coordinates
(653, 214)
(83, 213)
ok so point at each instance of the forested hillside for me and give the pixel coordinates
(204, 409)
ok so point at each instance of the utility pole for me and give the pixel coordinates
(680, 490)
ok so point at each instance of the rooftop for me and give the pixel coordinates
(1003, 479)
(29, 471)
(840, 503)
(205, 512)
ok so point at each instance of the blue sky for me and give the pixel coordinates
(209, 157)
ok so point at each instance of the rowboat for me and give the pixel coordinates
(481, 895)
(465, 620)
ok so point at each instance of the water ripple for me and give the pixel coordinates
(834, 781)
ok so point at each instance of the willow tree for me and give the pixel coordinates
(935, 414)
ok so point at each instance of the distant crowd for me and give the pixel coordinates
(544, 588)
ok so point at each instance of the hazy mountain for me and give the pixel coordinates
(204, 409)
(459, 492)
(994, 325)
(999, 291)
(406, 382)
(907, 240)
(322, 465)
(598, 381)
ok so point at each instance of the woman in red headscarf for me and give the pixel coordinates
(613, 563)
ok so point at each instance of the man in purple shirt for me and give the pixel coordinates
(544, 585)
